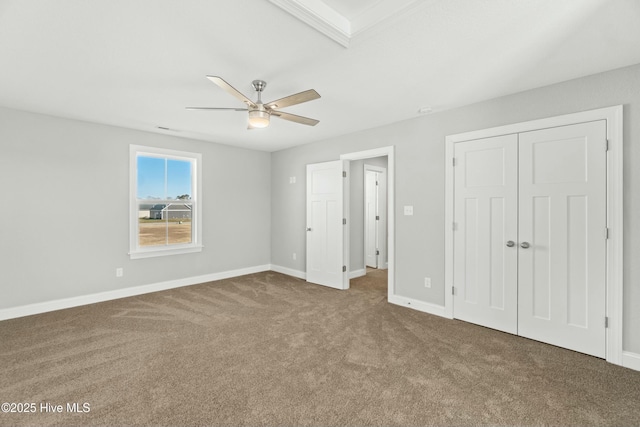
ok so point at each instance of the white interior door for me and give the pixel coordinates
(375, 220)
(371, 212)
(562, 236)
(326, 243)
(383, 260)
(485, 251)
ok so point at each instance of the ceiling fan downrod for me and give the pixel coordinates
(259, 86)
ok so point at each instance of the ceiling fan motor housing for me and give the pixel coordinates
(259, 85)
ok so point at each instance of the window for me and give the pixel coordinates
(165, 202)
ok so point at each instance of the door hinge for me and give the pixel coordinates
(377, 252)
(454, 226)
(344, 268)
(453, 290)
(377, 217)
(344, 221)
(344, 174)
(453, 161)
(606, 145)
(606, 233)
(606, 322)
(377, 183)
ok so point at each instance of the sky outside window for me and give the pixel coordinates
(160, 178)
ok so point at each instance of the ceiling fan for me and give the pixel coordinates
(260, 113)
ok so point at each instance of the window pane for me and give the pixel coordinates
(179, 223)
(151, 178)
(164, 224)
(179, 179)
(152, 232)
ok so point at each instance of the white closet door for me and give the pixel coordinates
(486, 210)
(562, 214)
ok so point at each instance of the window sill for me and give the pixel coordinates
(151, 253)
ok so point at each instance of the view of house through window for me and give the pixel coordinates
(164, 197)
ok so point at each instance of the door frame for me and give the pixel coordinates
(614, 252)
(383, 218)
(388, 151)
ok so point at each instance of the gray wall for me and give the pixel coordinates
(356, 209)
(56, 173)
(420, 176)
(66, 168)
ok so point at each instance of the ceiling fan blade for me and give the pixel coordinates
(298, 98)
(294, 118)
(216, 108)
(231, 90)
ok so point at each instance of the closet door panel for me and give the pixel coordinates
(562, 220)
(485, 212)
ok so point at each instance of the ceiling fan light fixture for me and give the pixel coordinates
(258, 118)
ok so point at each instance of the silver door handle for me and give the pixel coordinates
(524, 245)
(510, 244)
(308, 228)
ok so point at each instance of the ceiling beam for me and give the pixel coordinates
(318, 15)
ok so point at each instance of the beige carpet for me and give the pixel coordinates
(268, 349)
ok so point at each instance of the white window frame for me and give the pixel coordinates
(135, 250)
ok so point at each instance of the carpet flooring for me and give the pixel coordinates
(269, 349)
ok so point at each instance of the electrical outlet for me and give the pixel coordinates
(408, 210)
(119, 272)
(427, 282)
(292, 180)
(294, 256)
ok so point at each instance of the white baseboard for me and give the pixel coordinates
(302, 275)
(631, 360)
(43, 307)
(438, 310)
(289, 271)
(357, 273)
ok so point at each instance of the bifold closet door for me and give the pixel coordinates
(485, 237)
(562, 243)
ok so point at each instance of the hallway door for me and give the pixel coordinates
(326, 224)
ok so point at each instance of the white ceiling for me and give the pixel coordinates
(137, 64)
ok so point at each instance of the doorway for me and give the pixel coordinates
(333, 251)
(382, 158)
